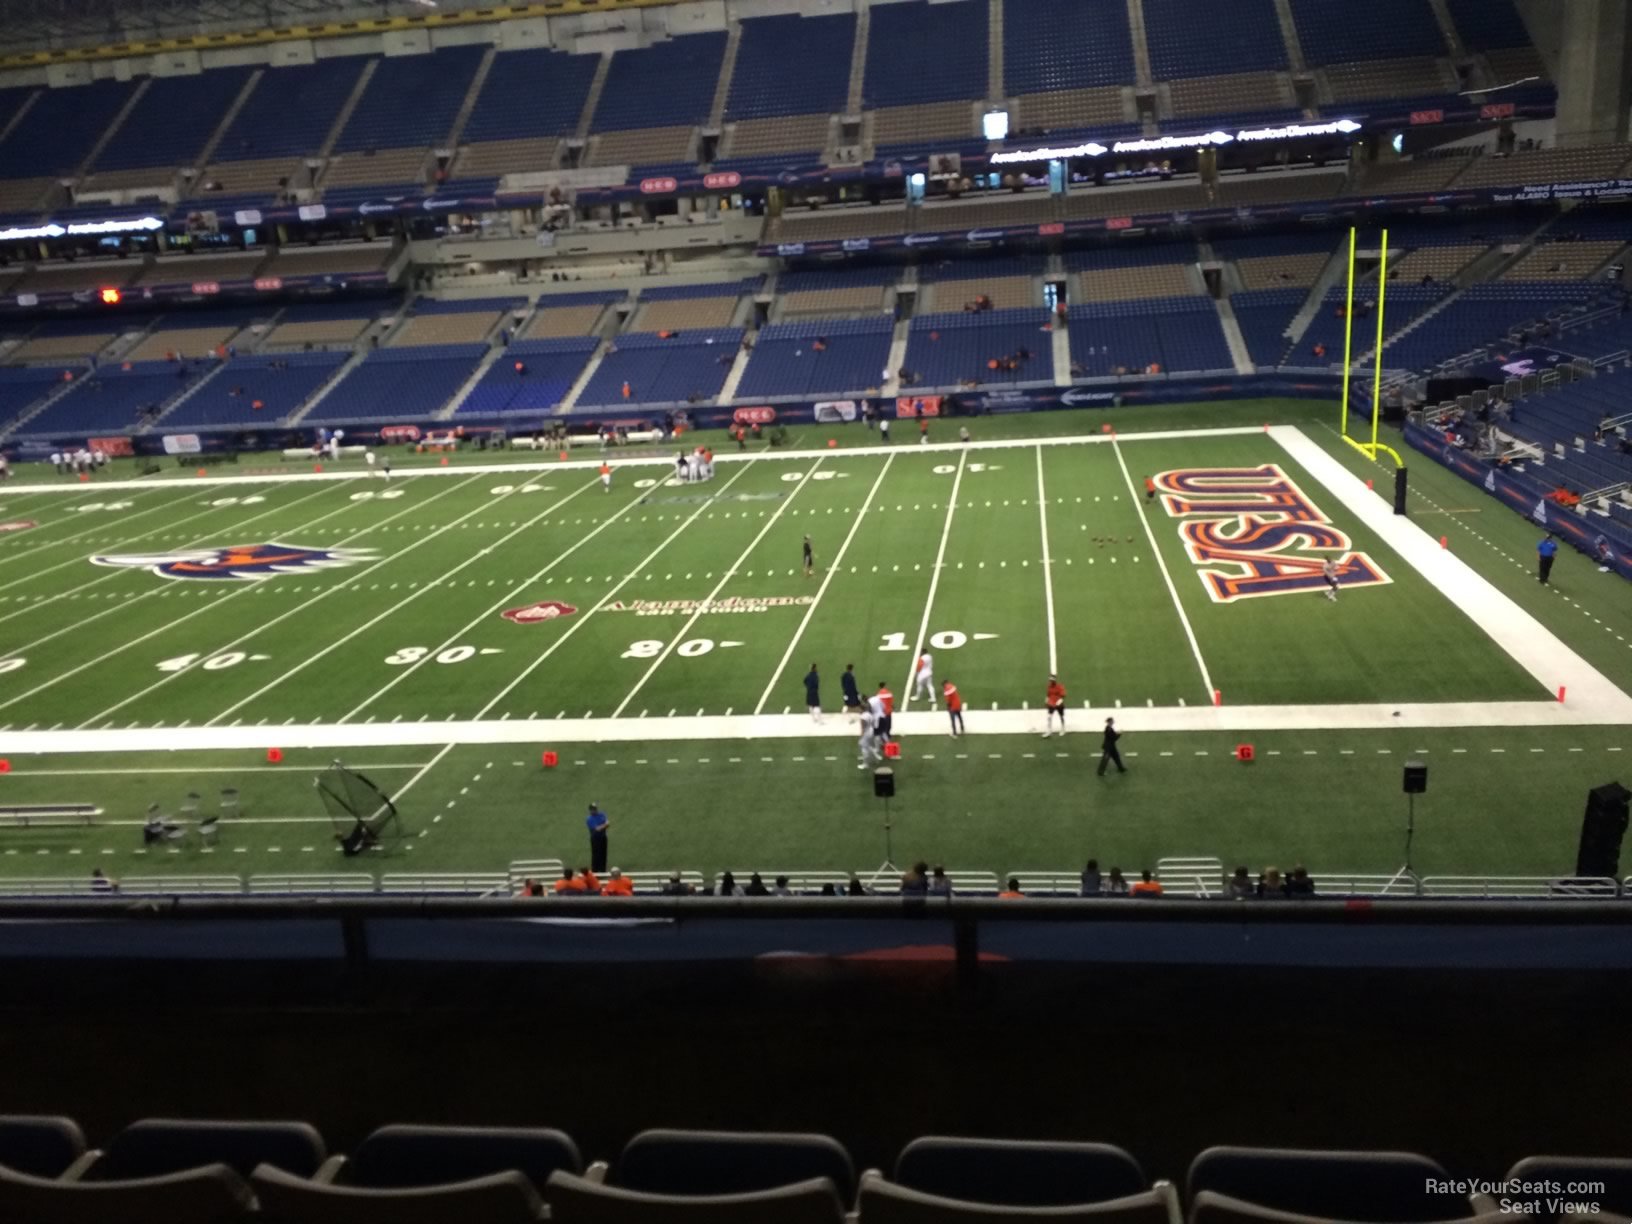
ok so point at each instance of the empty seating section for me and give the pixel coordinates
(1274, 271)
(995, 208)
(1263, 316)
(497, 158)
(792, 65)
(851, 360)
(62, 127)
(948, 348)
(668, 84)
(642, 146)
(1547, 166)
(1338, 32)
(400, 383)
(1234, 93)
(326, 324)
(898, 127)
(1008, 284)
(1439, 262)
(1195, 38)
(1368, 80)
(258, 177)
(830, 224)
(1563, 260)
(1516, 63)
(1485, 25)
(677, 307)
(806, 134)
(689, 366)
(1156, 335)
(833, 294)
(291, 111)
(21, 387)
(56, 341)
(531, 376)
(1276, 188)
(411, 100)
(1128, 275)
(1049, 47)
(163, 344)
(1069, 109)
(256, 391)
(1481, 315)
(1418, 174)
(1092, 204)
(27, 195)
(451, 322)
(72, 278)
(114, 398)
(203, 269)
(530, 94)
(552, 321)
(169, 125)
(918, 52)
(330, 261)
(389, 167)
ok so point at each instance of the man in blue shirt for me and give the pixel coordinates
(1546, 551)
(597, 824)
(813, 694)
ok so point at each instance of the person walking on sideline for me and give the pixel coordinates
(954, 707)
(1054, 702)
(1545, 552)
(606, 478)
(813, 694)
(1108, 752)
(869, 744)
(852, 694)
(597, 824)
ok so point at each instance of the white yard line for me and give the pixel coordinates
(423, 770)
(832, 570)
(180, 620)
(603, 601)
(730, 573)
(113, 575)
(934, 582)
(397, 605)
(1178, 605)
(1530, 643)
(304, 604)
(102, 523)
(1048, 569)
(660, 457)
(514, 593)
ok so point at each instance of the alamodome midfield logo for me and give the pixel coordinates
(1251, 532)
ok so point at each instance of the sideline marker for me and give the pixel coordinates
(274, 756)
(1561, 694)
(892, 750)
(563, 456)
(444, 461)
(1244, 753)
(1218, 697)
(551, 760)
(1444, 541)
(1369, 485)
(201, 471)
(5, 765)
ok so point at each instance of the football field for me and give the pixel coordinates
(492, 611)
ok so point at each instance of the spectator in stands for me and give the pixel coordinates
(828, 890)
(676, 887)
(618, 885)
(756, 887)
(1320, 350)
(103, 883)
(856, 888)
(531, 888)
(1116, 885)
(1147, 886)
(570, 882)
(780, 888)
(727, 886)
(1012, 891)
(1270, 885)
(1092, 883)
(915, 881)
(1240, 886)
(1299, 884)
(939, 884)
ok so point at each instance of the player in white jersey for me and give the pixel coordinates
(1329, 572)
(868, 743)
(923, 683)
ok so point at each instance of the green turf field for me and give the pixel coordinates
(1005, 563)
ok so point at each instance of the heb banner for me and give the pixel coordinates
(836, 412)
(399, 433)
(116, 448)
(1605, 541)
(910, 406)
(183, 444)
(753, 416)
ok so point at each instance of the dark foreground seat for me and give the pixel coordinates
(154, 1147)
(884, 1202)
(1382, 1187)
(1017, 1172)
(397, 1157)
(577, 1200)
(40, 1145)
(729, 1162)
(211, 1194)
(502, 1198)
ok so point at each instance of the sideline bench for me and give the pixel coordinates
(28, 815)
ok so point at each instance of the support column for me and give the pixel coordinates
(1594, 73)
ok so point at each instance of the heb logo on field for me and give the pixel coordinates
(753, 416)
(534, 613)
(658, 186)
(17, 525)
(399, 433)
(1251, 532)
(240, 561)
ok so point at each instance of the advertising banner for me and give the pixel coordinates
(835, 412)
(117, 448)
(182, 444)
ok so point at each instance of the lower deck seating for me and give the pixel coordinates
(946, 349)
(1155, 336)
(1482, 315)
(257, 390)
(850, 361)
(687, 367)
(530, 376)
(1263, 316)
(116, 398)
(400, 383)
(22, 387)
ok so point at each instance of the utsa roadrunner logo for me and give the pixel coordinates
(533, 613)
(1252, 532)
(240, 561)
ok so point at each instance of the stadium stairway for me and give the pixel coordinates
(1289, 35)
(228, 118)
(569, 401)
(1140, 38)
(728, 69)
(118, 122)
(858, 60)
(447, 410)
(1232, 336)
(995, 91)
(739, 366)
(340, 375)
(358, 89)
(592, 99)
(1059, 341)
(22, 421)
(477, 80)
(1335, 270)
(898, 357)
(1447, 27)
(172, 404)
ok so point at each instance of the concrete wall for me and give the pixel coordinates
(1594, 63)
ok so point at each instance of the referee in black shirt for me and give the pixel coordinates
(1108, 752)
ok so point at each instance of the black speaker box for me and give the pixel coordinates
(1416, 778)
(1602, 829)
(884, 782)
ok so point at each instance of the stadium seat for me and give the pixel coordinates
(1615, 1175)
(883, 1202)
(1210, 1208)
(38, 1145)
(501, 1198)
(158, 1147)
(1018, 1173)
(727, 1162)
(213, 1194)
(576, 1200)
(402, 1156)
(1377, 1186)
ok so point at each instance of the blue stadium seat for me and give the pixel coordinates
(946, 349)
(1487, 25)
(785, 363)
(407, 384)
(158, 1147)
(668, 84)
(38, 1145)
(549, 368)
(213, 1194)
(1194, 38)
(61, 128)
(171, 122)
(411, 100)
(499, 1198)
(291, 111)
(280, 384)
(531, 93)
(918, 52)
(113, 399)
(682, 1162)
(1338, 32)
(1263, 316)
(1048, 46)
(792, 65)
(1377, 1186)
(689, 365)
